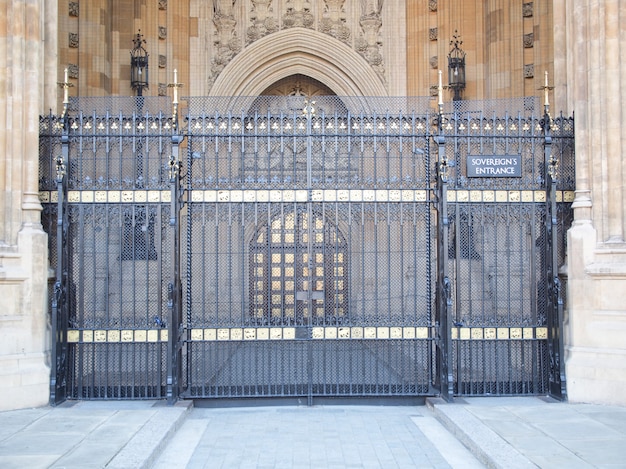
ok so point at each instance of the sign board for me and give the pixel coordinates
(490, 166)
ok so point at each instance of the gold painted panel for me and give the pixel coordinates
(382, 332)
(343, 195)
(395, 195)
(541, 333)
(454, 333)
(166, 196)
(153, 335)
(223, 334)
(262, 333)
(99, 336)
(477, 333)
(462, 196)
(289, 333)
(140, 196)
(54, 197)
(490, 333)
(489, 196)
(197, 334)
(154, 196)
(302, 196)
(528, 333)
(127, 336)
(343, 333)
(540, 196)
(382, 196)
(421, 332)
(236, 333)
(501, 196)
(113, 336)
(356, 195)
(464, 333)
(475, 196)
(73, 196)
(369, 195)
(330, 333)
(317, 333)
(317, 195)
(356, 332)
(514, 196)
(249, 333)
(330, 195)
(44, 197)
(73, 336)
(395, 332)
(503, 333)
(87, 336)
(127, 196)
(369, 333)
(276, 333)
(164, 335)
(86, 197)
(516, 332)
(451, 196)
(141, 335)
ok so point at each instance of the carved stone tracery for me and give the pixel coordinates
(262, 19)
(298, 15)
(369, 43)
(227, 42)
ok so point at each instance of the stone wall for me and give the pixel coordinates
(594, 84)
(24, 333)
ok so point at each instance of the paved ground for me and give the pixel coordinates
(498, 432)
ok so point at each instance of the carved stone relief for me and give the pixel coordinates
(527, 9)
(162, 89)
(369, 44)
(529, 71)
(334, 18)
(333, 21)
(529, 40)
(73, 8)
(262, 19)
(432, 5)
(298, 14)
(162, 4)
(73, 40)
(227, 43)
(162, 32)
(432, 34)
(72, 70)
(434, 62)
(162, 61)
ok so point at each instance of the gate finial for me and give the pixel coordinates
(175, 85)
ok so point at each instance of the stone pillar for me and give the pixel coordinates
(24, 345)
(596, 323)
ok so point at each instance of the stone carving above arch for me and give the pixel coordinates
(298, 51)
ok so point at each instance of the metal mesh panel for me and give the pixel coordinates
(490, 367)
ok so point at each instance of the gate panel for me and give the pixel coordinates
(309, 255)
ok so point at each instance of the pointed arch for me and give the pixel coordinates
(298, 51)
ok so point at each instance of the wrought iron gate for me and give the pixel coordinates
(304, 249)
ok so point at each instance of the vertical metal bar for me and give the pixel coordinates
(58, 389)
(174, 341)
(444, 301)
(557, 381)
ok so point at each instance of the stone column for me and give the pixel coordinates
(24, 372)
(596, 324)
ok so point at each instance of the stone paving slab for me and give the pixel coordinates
(537, 432)
(88, 434)
(314, 437)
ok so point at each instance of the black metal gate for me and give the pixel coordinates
(303, 248)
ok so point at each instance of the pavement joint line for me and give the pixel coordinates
(486, 445)
(143, 449)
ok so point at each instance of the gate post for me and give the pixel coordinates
(174, 289)
(443, 293)
(60, 304)
(554, 299)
